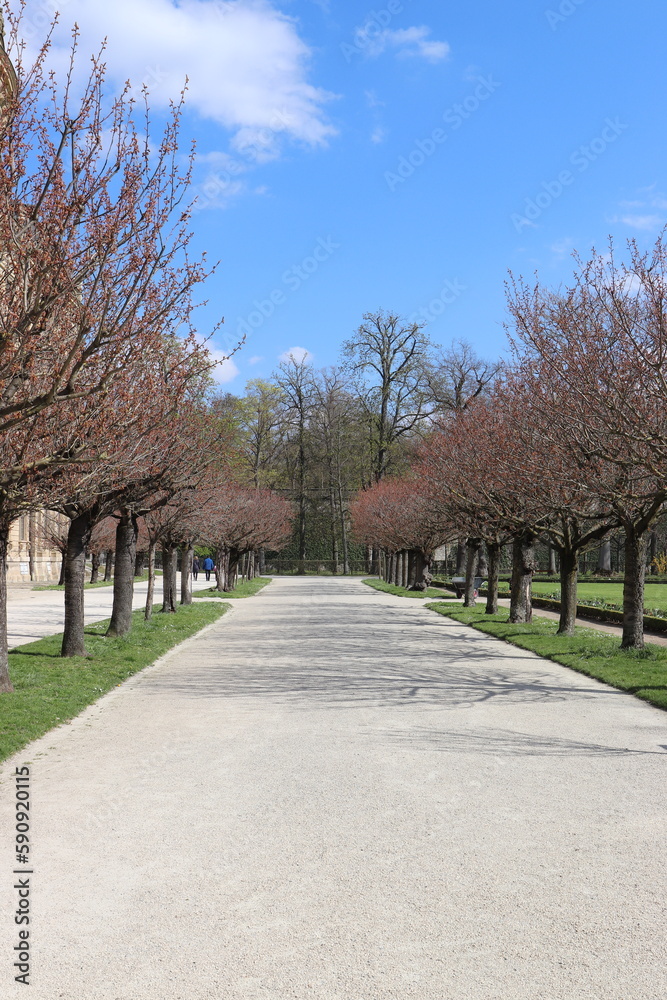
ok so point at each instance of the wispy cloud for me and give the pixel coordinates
(563, 247)
(407, 43)
(646, 212)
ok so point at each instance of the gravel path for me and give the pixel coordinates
(335, 794)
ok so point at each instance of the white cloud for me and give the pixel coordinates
(225, 369)
(298, 354)
(646, 212)
(246, 64)
(642, 221)
(255, 360)
(378, 135)
(562, 248)
(407, 42)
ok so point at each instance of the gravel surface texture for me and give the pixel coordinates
(336, 794)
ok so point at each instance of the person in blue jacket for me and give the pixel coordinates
(207, 566)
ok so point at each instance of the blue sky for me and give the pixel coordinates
(402, 156)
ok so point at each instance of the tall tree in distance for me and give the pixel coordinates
(457, 376)
(295, 382)
(387, 360)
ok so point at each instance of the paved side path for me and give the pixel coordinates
(335, 794)
(32, 614)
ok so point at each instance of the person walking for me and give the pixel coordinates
(208, 566)
(195, 567)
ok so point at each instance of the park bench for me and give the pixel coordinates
(459, 585)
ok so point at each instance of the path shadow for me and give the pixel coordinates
(366, 657)
(501, 742)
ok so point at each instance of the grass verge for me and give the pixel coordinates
(50, 690)
(247, 589)
(92, 586)
(642, 673)
(390, 588)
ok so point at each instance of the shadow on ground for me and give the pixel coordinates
(336, 652)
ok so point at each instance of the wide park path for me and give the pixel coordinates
(336, 794)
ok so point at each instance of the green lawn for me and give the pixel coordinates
(655, 594)
(389, 588)
(247, 589)
(643, 673)
(50, 690)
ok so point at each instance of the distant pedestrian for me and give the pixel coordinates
(195, 567)
(208, 565)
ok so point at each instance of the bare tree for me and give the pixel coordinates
(457, 376)
(387, 360)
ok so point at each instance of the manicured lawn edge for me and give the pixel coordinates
(247, 589)
(389, 588)
(643, 674)
(50, 690)
(92, 586)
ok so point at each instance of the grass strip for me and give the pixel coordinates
(93, 586)
(390, 588)
(50, 690)
(639, 672)
(247, 589)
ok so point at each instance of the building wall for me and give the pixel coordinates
(46, 560)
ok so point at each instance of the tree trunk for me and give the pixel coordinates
(604, 558)
(221, 568)
(523, 567)
(78, 537)
(493, 551)
(334, 535)
(343, 534)
(569, 571)
(653, 551)
(472, 563)
(233, 569)
(148, 609)
(187, 556)
(262, 561)
(5, 682)
(406, 571)
(421, 575)
(32, 544)
(301, 571)
(461, 557)
(123, 580)
(169, 561)
(61, 579)
(95, 570)
(633, 590)
(553, 568)
(139, 561)
(108, 564)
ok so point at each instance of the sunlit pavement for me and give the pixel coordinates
(335, 794)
